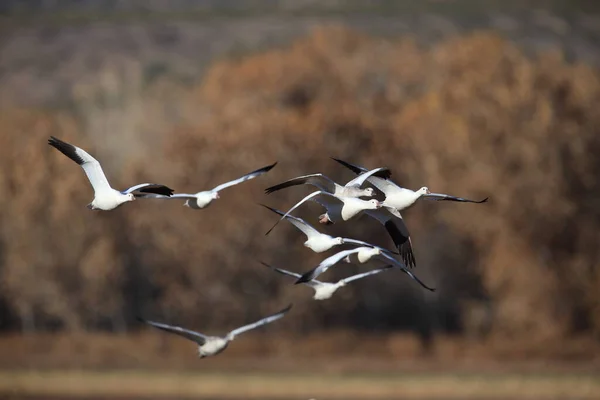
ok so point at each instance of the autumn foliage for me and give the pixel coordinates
(471, 116)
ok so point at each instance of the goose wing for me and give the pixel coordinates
(257, 324)
(90, 165)
(245, 178)
(361, 243)
(365, 274)
(397, 263)
(447, 197)
(288, 273)
(312, 196)
(197, 337)
(397, 231)
(321, 181)
(382, 173)
(384, 185)
(149, 190)
(325, 265)
(299, 223)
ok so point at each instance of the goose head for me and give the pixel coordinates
(368, 192)
(374, 204)
(423, 191)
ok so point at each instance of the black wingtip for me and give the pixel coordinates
(307, 277)
(288, 308)
(156, 188)
(351, 167)
(483, 201)
(269, 231)
(67, 149)
(385, 173)
(267, 168)
(276, 211)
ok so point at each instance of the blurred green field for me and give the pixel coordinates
(131, 384)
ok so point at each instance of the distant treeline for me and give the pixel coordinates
(471, 116)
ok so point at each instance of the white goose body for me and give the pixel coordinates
(352, 206)
(322, 243)
(346, 209)
(109, 200)
(213, 346)
(201, 200)
(363, 255)
(324, 290)
(402, 198)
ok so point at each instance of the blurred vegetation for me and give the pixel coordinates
(471, 116)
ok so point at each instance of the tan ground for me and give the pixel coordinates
(164, 384)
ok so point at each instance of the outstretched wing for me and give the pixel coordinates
(383, 173)
(354, 168)
(90, 165)
(311, 196)
(149, 189)
(245, 178)
(197, 337)
(447, 197)
(385, 186)
(325, 265)
(321, 181)
(257, 324)
(361, 243)
(400, 265)
(173, 196)
(299, 223)
(281, 271)
(397, 231)
(365, 274)
(288, 273)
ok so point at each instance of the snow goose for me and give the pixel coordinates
(338, 208)
(203, 199)
(212, 345)
(325, 184)
(359, 255)
(105, 197)
(401, 198)
(324, 290)
(315, 240)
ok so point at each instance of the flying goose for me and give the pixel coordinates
(359, 255)
(212, 345)
(401, 198)
(317, 241)
(324, 290)
(203, 199)
(325, 184)
(105, 197)
(338, 208)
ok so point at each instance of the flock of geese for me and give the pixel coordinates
(384, 201)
